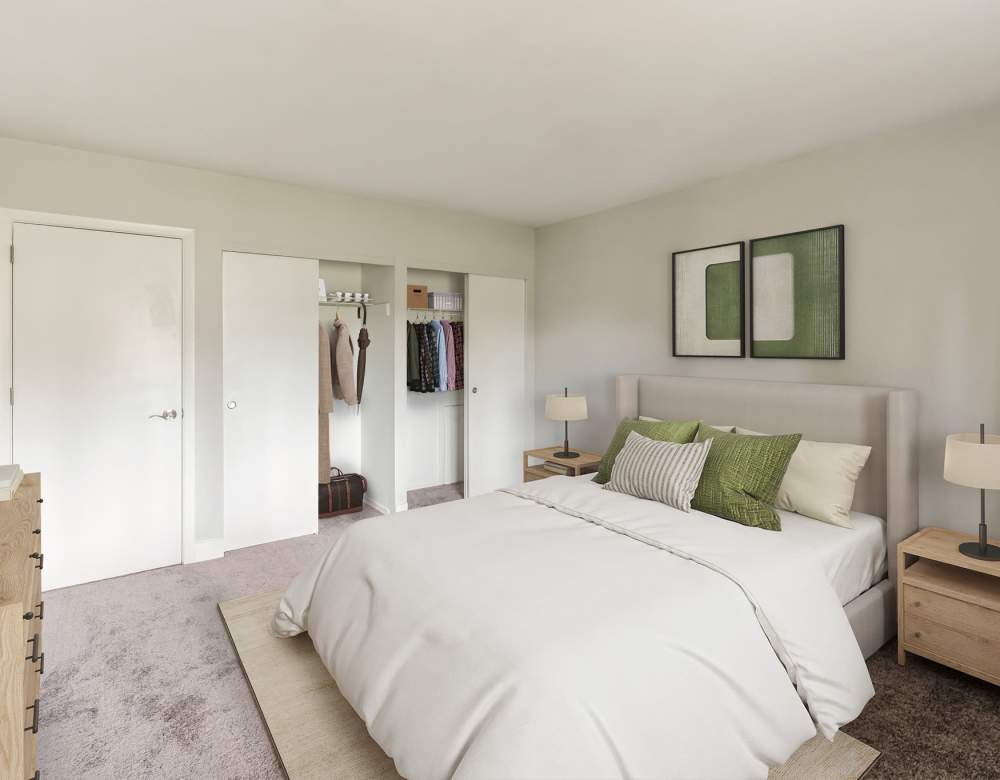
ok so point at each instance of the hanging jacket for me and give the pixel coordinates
(342, 351)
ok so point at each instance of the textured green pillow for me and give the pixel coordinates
(660, 430)
(742, 475)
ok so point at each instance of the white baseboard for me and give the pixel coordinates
(378, 507)
(205, 550)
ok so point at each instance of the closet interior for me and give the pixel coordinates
(360, 420)
(436, 388)
(459, 429)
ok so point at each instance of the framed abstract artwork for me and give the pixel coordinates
(708, 310)
(797, 295)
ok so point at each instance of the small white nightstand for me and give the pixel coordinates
(949, 604)
(587, 463)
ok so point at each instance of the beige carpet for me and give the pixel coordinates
(318, 735)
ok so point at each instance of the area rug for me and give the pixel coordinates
(318, 735)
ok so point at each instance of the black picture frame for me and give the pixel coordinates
(842, 352)
(673, 308)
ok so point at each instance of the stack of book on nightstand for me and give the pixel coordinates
(557, 468)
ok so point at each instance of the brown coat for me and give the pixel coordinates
(343, 364)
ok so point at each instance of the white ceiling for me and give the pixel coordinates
(528, 110)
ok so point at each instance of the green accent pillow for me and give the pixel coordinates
(742, 475)
(681, 432)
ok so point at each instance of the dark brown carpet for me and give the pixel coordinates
(929, 721)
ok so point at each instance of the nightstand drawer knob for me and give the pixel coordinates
(916, 603)
(916, 635)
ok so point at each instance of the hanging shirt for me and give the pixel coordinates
(441, 376)
(449, 344)
(428, 357)
(458, 333)
(412, 358)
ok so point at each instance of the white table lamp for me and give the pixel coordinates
(565, 408)
(973, 460)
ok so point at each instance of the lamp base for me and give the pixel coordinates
(565, 454)
(972, 549)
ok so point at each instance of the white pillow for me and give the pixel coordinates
(723, 428)
(820, 479)
(661, 471)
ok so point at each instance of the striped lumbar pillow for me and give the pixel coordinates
(659, 470)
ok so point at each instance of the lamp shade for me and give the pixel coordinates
(566, 407)
(971, 463)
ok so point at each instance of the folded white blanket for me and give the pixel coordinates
(558, 630)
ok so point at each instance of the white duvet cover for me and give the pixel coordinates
(558, 630)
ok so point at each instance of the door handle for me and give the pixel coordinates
(166, 414)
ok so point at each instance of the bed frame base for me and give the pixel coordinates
(873, 616)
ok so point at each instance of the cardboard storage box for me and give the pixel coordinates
(416, 296)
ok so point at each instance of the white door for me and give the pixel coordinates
(494, 383)
(270, 327)
(97, 352)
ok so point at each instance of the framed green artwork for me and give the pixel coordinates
(708, 309)
(797, 295)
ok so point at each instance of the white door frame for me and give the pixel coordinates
(191, 549)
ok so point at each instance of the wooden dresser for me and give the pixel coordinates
(21, 611)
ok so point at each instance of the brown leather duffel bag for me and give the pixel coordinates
(344, 494)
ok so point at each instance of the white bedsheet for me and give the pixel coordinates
(573, 632)
(853, 559)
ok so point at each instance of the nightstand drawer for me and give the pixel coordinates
(955, 632)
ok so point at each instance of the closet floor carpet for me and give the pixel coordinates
(142, 681)
(438, 494)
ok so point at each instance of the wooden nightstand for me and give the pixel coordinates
(949, 604)
(587, 463)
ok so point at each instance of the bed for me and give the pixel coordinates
(884, 418)
(559, 630)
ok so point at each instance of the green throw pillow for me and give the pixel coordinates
(742, 475)
(660, 430)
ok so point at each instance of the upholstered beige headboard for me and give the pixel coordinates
(883, 418)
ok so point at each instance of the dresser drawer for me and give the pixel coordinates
(34, 666)
(30, 752)
(960, 634)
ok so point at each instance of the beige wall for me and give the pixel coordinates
(238, 213)
(921, 209)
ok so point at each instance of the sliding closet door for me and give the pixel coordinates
(494, 381)
(270, 380)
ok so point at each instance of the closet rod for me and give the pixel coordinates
(357, 305)
(442, 311)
